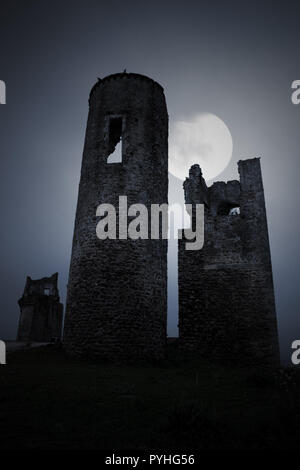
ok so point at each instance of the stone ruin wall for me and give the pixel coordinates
(117, 291)
(41, 313)
(226, 294)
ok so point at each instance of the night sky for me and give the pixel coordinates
(234, 59)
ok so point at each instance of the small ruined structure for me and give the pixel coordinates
(41, 313)
(226, 294)
(117, 290)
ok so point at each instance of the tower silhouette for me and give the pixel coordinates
(117, 290)
(226, 293)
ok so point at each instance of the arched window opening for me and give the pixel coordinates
(227, 208)
(235, 211)
(115, 139)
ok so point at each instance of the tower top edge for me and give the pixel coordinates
(123, 76)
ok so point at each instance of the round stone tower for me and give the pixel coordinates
(117, 291)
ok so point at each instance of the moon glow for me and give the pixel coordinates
(205, 140)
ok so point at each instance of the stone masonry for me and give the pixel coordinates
(226, 295)
(41, 313)
(117, 291)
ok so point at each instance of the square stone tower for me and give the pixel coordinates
(117, 291)
(226, 294)
(41, 313)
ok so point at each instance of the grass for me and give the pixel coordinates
(49, 401)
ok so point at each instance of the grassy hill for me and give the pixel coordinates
(50, 401)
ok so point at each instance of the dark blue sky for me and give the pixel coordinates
(234, 59)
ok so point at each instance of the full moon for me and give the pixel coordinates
(205, 140)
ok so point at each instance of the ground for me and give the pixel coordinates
(49, 401)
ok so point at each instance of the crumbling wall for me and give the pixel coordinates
(226, 295)
(117, 290)
(41, 313)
